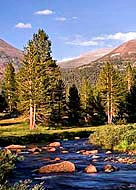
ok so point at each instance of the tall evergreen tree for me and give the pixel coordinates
(37, 79)
(131, 105)
(59, 104)
(74, 107)
(96, 108)
(111, 88)
(129, 76)
(8, 86)
(85, 93)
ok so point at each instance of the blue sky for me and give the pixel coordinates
(73, 26)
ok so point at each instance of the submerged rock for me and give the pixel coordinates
(91, 169)
(64, 166)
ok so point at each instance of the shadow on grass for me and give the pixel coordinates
(8, 124)
(41, 138)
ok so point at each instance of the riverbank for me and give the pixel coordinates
(16, 131)
(115, 137)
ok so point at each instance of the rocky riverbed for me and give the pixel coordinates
(75, 165)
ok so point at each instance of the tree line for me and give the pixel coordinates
(38, 91)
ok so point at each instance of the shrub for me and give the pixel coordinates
(22, 185)
(114, 137)
(7, 164)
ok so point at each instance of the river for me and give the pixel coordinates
(124, 179)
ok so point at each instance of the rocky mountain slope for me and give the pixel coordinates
(9, 53)
(84, 59)
(88, 65)
(119, 57)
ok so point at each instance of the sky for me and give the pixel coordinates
(73, 26)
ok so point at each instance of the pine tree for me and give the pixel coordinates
(129, 76)
(112, 90)
(74, 105)
(59, 104)
(85, 93)
(36, 79)
(8, 86)
(131, 104)
(96, 108)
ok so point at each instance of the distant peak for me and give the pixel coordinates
(9, 49)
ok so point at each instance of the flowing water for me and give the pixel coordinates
(124, 179)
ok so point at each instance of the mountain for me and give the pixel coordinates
(85, 58)
(126, 51)
(9, 53)
(87, 65)
(119, 57)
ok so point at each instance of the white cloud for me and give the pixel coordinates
(83, 43)
(80, 41)
(61, 19)
(117, 36)
(44, 12)
(122, 36)
(23, 25)
(102, 39)
(75, 17)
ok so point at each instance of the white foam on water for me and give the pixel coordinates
(44, 177)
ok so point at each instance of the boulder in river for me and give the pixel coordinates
(34, 149)
(89, 152)
(53, 149)
(133, 152)
(64, 152)
(77, 138)
(57, 159)
(64, 167)
(109, 168)
(15, 147)
(54, 144)
(95, 157)
(91, 169)
(108, 152)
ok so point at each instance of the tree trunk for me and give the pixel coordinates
(109, 114)
(34, 117)
(9, 102)
(31, 115)
(109, 99)
(129, 83)
(111, 103)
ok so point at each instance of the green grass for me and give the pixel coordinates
(19, 127)
(17, 131)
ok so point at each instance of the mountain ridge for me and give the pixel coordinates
(8, 53)
(89, 69)
(85, 58)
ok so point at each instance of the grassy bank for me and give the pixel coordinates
(16, 131)
(115, 137)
